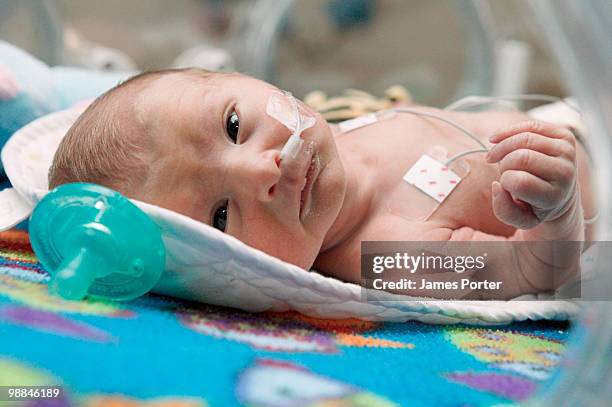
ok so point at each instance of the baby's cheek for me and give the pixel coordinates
(301, 253)
(276, 240)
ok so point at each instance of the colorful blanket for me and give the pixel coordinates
(159, 351)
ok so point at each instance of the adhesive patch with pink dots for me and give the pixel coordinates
(432, 177)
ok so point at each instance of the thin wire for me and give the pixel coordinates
(457, 156)
(432, 116)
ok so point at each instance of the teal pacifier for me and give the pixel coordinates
(94, 241)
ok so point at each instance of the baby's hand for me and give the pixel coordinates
(537, 162)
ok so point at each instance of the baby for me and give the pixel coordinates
(202, 144)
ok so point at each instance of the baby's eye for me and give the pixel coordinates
(233, 125)
(220, 217)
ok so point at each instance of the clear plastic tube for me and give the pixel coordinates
(295, 141)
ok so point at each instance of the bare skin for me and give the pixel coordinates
(533, 185)
(470, 212)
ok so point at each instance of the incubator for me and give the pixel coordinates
(93, 221)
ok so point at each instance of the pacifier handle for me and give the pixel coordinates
(94, 241)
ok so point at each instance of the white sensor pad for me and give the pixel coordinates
(432, 177)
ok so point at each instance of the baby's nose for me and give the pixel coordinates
(261, 175)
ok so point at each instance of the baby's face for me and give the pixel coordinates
(216, 158)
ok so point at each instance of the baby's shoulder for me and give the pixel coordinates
(344, 260)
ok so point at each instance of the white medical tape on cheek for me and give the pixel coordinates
(286, 109)
(280, 108)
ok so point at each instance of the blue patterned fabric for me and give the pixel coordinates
(160, 351)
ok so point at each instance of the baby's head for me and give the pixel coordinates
(202, 144)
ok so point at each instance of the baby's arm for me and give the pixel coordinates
(538, 194)
(524, 267)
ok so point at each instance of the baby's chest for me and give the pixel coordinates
(419, 202)
(396, 147)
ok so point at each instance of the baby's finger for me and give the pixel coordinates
(543, 166)
(533, 126)
(509, 211)
(530, 188)
(529, 141)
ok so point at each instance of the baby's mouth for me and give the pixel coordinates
(306, 193)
